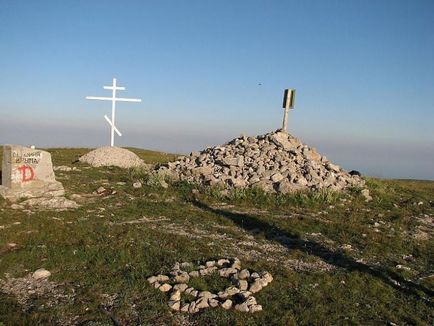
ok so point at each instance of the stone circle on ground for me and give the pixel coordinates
(112, 156)
(274, 162)
(239, 296)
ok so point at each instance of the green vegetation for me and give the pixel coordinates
(335, 259)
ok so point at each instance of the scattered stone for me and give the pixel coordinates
(194, 274)
(232, 290)
(175, 295)
(165, 287)
(227, 304)
(192, 309)
(243, 307)
(226, 272)
(202, 303)
(210, 263)
(242, 285)
(64, 168)
(181, 287)
(222, 262)
(41, 274)
(137, 185)
(100, 190)
(182, 278)
(175, 305)
(366, 195)
(162, 278)
(185, 307)
(244, 274)
(205, 294)
(152, 279)
(255, 286)
(267, 277)
(255, 308)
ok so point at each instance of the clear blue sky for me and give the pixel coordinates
(363, 70)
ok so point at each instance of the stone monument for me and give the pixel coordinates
(28, 173)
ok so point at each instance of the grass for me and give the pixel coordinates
(333, 256)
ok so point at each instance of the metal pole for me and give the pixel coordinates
(285, 120)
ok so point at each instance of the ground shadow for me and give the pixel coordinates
(253, 224)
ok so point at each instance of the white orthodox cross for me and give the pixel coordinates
(113, 99)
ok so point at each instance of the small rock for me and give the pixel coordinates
(222, 295)
(226, 272)
(244, 295)
(242, 285)
(222, 262)
(255, 308)
(181, 287)
(232, 290)
(175, 295)
(242, 307)
(256, 286)
(152, 279)
(205, 294)
(267, 277)
(175, 305)
(182, 278)
(213, 303)
(194, 274)
(244, 274)
(227, 304)
(365, 193)
(162, 278)
(202, 303)
(100, 190)
(251, 301)
(236, 264)
(41, 273)
(210, 263)
(137, 185)
(192, 309)
(185, 307)
(165, 287)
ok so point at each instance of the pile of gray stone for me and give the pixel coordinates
(239, 296)
(274, 162)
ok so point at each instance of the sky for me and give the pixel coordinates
(209, 71)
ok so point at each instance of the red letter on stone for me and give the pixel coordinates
(27, 173)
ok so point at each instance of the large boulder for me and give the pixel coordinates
(112, 156)
(28, 173)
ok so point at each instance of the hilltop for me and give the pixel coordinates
(335, 258)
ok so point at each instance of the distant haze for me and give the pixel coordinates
(208, 71)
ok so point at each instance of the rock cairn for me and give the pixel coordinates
(274, 162)
(239, 296)
(112, 156)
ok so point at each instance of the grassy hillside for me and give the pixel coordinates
(335, 259)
